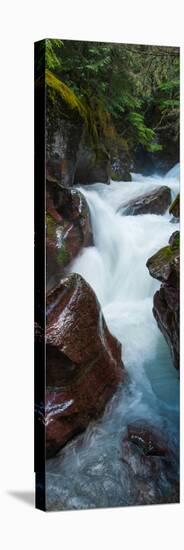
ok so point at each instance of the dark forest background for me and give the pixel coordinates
(111, 108)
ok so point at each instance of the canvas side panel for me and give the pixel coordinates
(39, 270)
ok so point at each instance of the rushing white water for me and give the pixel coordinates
(90, 468)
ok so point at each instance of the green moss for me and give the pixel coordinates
(50, 224)
(90, 110)
(176, 241)
(164, 253)
(66, 94)
(63, 255)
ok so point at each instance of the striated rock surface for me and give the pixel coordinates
(68, 228)
(83, 360)
(155, 202)
(164, 266)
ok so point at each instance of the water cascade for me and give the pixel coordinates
(92, 470)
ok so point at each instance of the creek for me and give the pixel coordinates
(91, 471)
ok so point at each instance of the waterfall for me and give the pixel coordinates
(115, 267)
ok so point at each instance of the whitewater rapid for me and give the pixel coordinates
(91, 473)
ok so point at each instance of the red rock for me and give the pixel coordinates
(68, 229)
(165, 266)
(166, 310)
(84, 363)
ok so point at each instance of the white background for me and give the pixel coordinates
(156, 22)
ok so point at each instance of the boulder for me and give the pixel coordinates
(148, 439)
(166, 313)
(155, 202)
(164, 266)
(92, 166)
(83, 361)
(151, 462)
(175, 207)
(120, 162)
(68, 228)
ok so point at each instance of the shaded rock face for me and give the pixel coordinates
(166, 313)
(83, 361)
(68, 228)
(164, 266)
(147, 163)
(120, 165)
(143, 161)
(175, 208)
(155, 202)
(63, 137)
(91, 167)
(71, 156)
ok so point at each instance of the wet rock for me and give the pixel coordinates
(68, 228)
(148, 439)
(120, 164)
(174, 241)
(164, 266)
(155, 202)
(166, 313)
(92, 166)
(149, 472)
(83, 361)
(153, 465)
(160, 162)
(64, 129)
(175, 208)
(142, 466)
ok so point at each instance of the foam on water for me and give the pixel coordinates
(89, 471)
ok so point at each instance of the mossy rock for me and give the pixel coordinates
(50, 226)
(164, 265)
(175, 207)
(92, 166)
(174, 240)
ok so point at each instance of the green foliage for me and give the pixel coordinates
(143, 135)
(169, 106)
(122, 92)
(52, 48)
(68, 96)
(92, 112)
